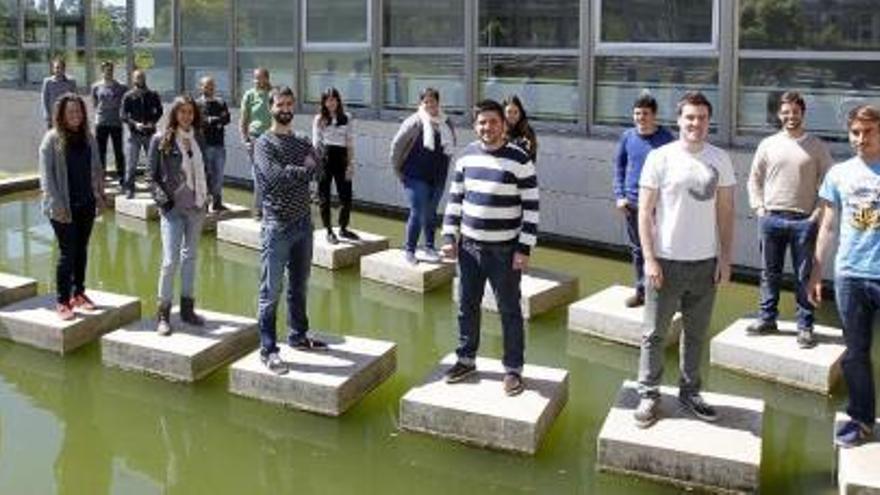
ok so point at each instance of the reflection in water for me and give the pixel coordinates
(70, 425)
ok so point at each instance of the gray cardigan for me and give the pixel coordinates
(403, 141)
(53, 175)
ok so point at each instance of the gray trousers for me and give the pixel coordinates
(136, 143)
(688, 286)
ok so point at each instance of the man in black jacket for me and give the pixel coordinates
(215, 117)
(141, 109)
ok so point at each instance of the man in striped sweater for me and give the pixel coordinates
(490, 225)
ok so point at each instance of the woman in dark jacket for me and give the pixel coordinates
(72, 182)
(420, 154)
(519, 132)
(180, 189)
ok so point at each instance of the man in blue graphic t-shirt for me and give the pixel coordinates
(851, 192)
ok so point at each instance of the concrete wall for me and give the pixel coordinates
(574, 173)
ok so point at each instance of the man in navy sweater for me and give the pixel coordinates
(633, 148)
(490, 225)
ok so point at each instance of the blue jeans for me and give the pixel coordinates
(858, 301)
(180, 231)
(635, 244)
(215, 163)
(780, 231)
(423, 198)
(284, 245)
(478, 262)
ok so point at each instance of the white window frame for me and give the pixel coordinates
(335, 46)
(673, 49)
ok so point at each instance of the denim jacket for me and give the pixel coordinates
(53, 175)
(166, 170)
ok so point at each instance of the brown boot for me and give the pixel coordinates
(635, 300)
(188, 312)
(163, 319)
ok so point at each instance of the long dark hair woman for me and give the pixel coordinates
(519, 132)
(332, 134)
(72, 182)
(180, 190)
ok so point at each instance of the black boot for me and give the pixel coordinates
(188, 312)
(218, 205)
(163, 319)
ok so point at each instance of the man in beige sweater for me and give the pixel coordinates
(787, 170)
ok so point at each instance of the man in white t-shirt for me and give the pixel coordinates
(686, 230)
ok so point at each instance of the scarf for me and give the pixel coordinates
(429, 123)
(193, 165)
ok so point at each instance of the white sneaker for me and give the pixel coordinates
(430, 255)
(274, 363)
(645, 414)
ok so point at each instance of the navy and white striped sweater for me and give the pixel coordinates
(493, 197)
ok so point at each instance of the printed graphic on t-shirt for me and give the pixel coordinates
(863, 200)
(704, 182)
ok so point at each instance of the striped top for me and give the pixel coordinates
(493, 197)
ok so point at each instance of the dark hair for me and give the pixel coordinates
(793, 98)
(106, 63)
(65, 134)
(645, 100)
(488, 105)
(863, 113)
(695, 98)
(280, 92)
(326, 118)
(429, 92)
(172, 124)
(521, 131)
(59, 60)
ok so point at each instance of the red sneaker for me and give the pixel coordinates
(64, 311)
(82, 301)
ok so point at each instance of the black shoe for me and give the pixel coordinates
(331, 237)
(635, 300)
(349, 235)
(308, 344)
(805, 338)
(459, 372)
(188, 312)
(218, 206)
(129, 194)
(761, 327)
(852, 434)
(698, 407)
(513, 384)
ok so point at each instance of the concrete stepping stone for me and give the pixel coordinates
(681, 449)
(390, 267)
(141, 206)
(188, 354)
(14, 288)
(212, 218)
(133, 224)
(34, 321)
(857, 471)
(541, 291)
(240, 231)
(605, 315)
(777, 357)
(478, 412)
(346, 252)
(326, 382)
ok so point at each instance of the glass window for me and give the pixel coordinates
(657, 21)
(152, 21)
(8, 22)
(159, 66)
(36, 21)
(281, 67)
(529, 23)
(266, 23)
(9, 66)
(620, 80)
(203, 23)
(36, 65)
(347, 72)
(200, 63)
(337, 21)
(109, 23)
(547, 85)
(404, 22)
(830, 89)
(70, 24)
(75, 61)
(810, 25)
(407, 75)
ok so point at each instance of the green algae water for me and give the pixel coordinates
(70, 425)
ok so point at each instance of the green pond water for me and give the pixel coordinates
(70, 425)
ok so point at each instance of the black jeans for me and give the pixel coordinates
(335, 165)
(73, 244)
(102, 132)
